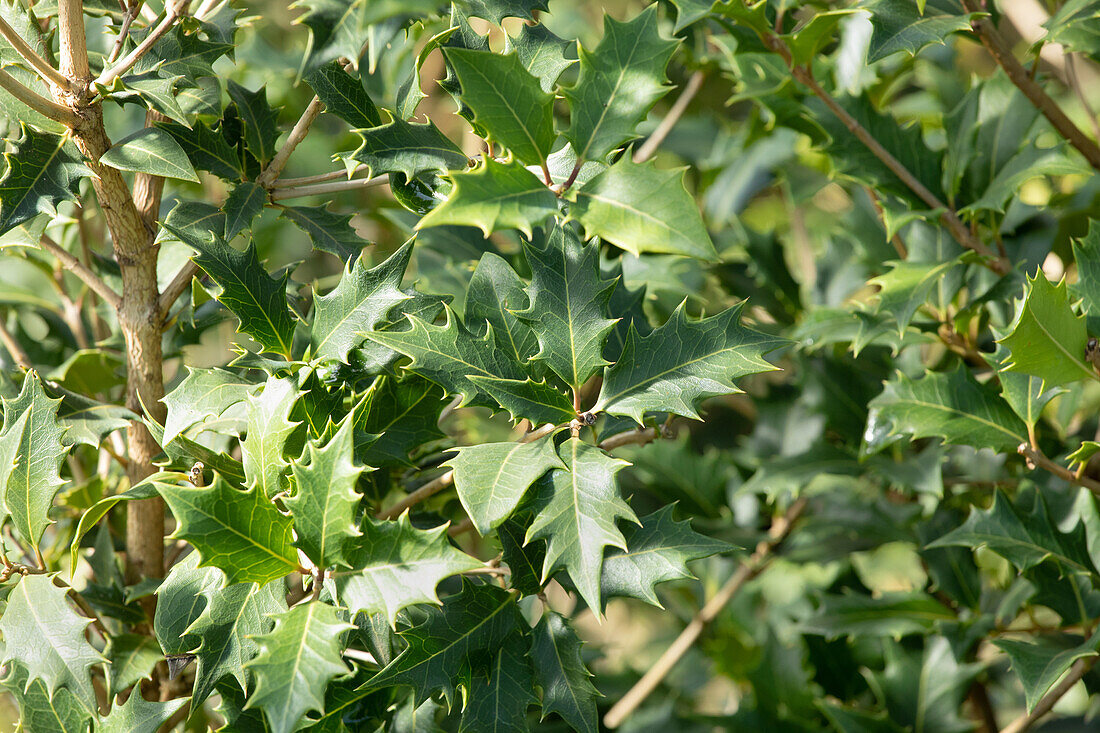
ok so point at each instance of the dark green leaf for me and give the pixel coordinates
(244, 203)
(153, 151)
(899, 25)
(260, 130)
(408, 148)
(1040, 663)
(344, 95)
(561, 675)
(329, 232)
(42, 171)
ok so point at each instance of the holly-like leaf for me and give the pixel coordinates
(1039, 664)
(617, 85)
(1086, 253)
(541, 53)
(344, 95)
(496, 11)
(891, 614)
(60, 712)
(207, 149)
(181, 599)
(923, 689)
(561, 675)
(1022, 533)
(642, 209)
(150, 90)
(507, 102)
(408, 148)
(540, 402)
(899, 25)
(203, 394)
(138, 715)
(361, 302)
(494, 294)
(394, 417)
(340, 28)
(906, 287)
(657, 551)
(472, 622)
(492, 478)
(501, 694)
(130, 658)
(257, 299)
(683, 362)
(260, 128)
(449, 354)
(240, 532)
(45, 635)
(244, 203)
(329, 232)
(1032, 161)
(153, 151)
(184, 52)
(1047, 339)
(576, 509)
(42, 171)
(269, 428)
(31, 453)
(1023, 392)
(324, 500)
(951, 406)
(295, 663)
(495, 196)
(568, 305)
(395, 566)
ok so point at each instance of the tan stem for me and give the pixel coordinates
(279, 194)
(15, 349)
(297, 135)
(75, 266)
(48, 73)
(175, 10)
(649, 147)
(1039, 459)
(320, 178)
(175, 288)
(631, 437)
(39, 104)
(748, 570)
(72, 41)
(429, 489)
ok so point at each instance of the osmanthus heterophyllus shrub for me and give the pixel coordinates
(378, 366)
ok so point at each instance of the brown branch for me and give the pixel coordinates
(461, 528)
(48, 73)
(75, 266)
(649, 147)
(296, 136)
(175, 10)
(1076, 672)
(72, 43)
(175, 288)
(1037, 458)
(15, 349)
(429, 489)
(631, 437)
(748, 570)
(39, 104)
(298, 191)
(1002, 54)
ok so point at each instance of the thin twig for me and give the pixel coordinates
(631, 437)
(1076, 672)
(123, 31)
(461, 528)
(176, 288)
(297, 135)
(82, 605)
(127, 62)
(320, 178)
(748, 570)
(299, 191)
(15, 349)
(1002, 54)
(1075, 83)
(75, 266)
(646, 150)
(44, 69)
(1038, 458)
(450, 408)
(38, 103)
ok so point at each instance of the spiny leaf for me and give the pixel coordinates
(1039, 664)
(1023, 392)
(906, 287)
(541, 53)
(657, 551)
(360, 302)
(576, 509)
(496, 11)
(60, 712)
(1046, 338)
(475, 621)
(46, 636)
(642, 209)
(181, 599)
(329, 232)
(617, 85)
(203, 394)
(501, 694)
(492, 478)
(130, 658)
(507, 102)
(138, 715)
(495, 196)
(295, 663)
(206, 149)
(152, 151)
(340, 28)
(568, 305)
(540, 402)
(260, 129)
(31, 453)
(396, 565)
(240, 532)
(408, 148)
(394, 417)
(324, 501)
(449, 354)
(951, 406)
(683, 362)
(898, 25)
(269, 428)
(244, 203)
(344, 95)
(560, 673)
(891, 614)
(42, 171)
(494, 294)
(1086, 253)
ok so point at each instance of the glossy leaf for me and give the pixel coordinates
(494, 294)
(42, 171)
(151, 151)
(329, 232)
(561, 675)
(495, 196)
(408, 148)
(899, 25)
(344, 95)
(269, 428)
(203, 394)
(501, 694)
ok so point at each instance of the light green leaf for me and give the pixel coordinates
(325, 501)
(45, 635)
(1087, 450)
(296, 661)
(1086, 253)
(181, 599)
(31, 453)
(240, 532)
(568, 305)
(60, 712)
(507, 102)
(906, 287)
(130, 658)
(540, 402)
(951, 406)
(683, 362)
(408, 148)
(269, 428)
(138, 715)
(1030, 162)
(810, 37)
(617, 85)
(42, 171)
(576, 509)
(1023, 392)
(561, 674)
(492, 478)
(395, 566)
(1040, 663)
(360, 302)
(203, 394)
(207, 149)
(642, 209)
(495, 196)
(152, 151)
(541, 53)
(899, 25)
(1046, 338)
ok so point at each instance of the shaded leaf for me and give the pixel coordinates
(1040, 663)
(561, 675)
(42, 171)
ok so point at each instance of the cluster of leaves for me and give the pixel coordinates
(402, 499)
